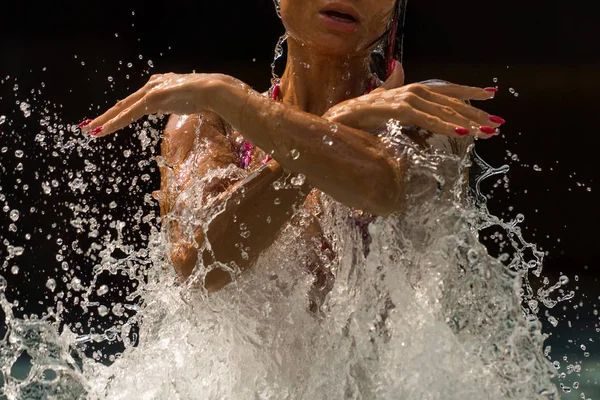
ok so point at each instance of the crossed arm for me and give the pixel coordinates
(356, 169)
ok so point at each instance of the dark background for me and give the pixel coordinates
(547, 51)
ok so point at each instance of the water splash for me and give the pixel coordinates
(418, 308)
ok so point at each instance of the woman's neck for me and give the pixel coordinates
(315, 82)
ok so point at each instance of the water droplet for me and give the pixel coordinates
(102, 290)
(102, 310)
(2, 119)
(150, 64)
(334, 128)
(76, 284)
(14, 215)
(18, 153)
(277, 201)
(511, 90)
(129, 65)
(298, 180)
(51, 284)
(563, 280)
(495, 80)
(14, 270)
(520, 218)
(536, 168)
(295, 154)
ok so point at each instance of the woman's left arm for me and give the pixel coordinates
(349, 164)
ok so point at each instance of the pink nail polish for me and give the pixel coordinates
(491, 89)
(461, 131)
(96, 131)
(487, 129)
(85, 123)
(497, 120)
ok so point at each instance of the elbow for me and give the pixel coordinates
(184, 258)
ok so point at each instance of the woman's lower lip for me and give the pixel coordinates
(337, 25)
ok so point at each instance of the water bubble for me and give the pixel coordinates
(495, 80)
(14, 215)
(536, 168)
(295, 154)
(110, 78)
(14, 270)
(2, 119)
(563, 280)
(150, 64)
(51, 284)
(129, 65)
(520, 218)
(102, 310)
(511, 90)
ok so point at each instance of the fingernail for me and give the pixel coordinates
(96, 131)
(487, 129)
(461, 131)
(491, 89)
(85, 123)
(497, 120)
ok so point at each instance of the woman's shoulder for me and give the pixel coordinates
(182, 131)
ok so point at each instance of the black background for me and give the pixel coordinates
(548, 51)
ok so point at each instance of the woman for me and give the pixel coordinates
(316, 123)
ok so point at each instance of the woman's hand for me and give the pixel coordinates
(435, 106)
(167, 94)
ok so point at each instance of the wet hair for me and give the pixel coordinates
(389, 46)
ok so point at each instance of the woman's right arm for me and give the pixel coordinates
(192, 146)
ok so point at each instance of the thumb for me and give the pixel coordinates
(395, 80)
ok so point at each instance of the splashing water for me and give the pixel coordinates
(416, 309)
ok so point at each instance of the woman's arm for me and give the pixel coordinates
(192, 146)
(349, 164)
(357, 169)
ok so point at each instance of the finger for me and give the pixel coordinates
(433, 123)
(445, 113)
(116, 109)
(459, 91)
(474, 114)
(142, 107)
(395, 80)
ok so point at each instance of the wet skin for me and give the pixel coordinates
(323, 85)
